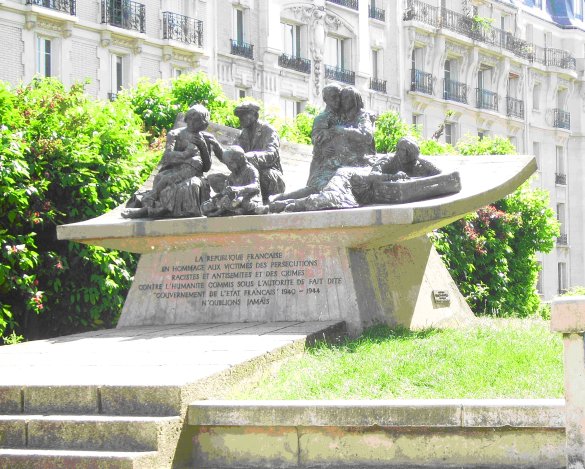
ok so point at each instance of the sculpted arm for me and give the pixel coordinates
(269, 155)
(429, 168)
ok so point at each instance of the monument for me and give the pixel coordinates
(349, 244)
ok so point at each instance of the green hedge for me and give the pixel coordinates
(63, 158)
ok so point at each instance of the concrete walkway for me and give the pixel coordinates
(148, 355)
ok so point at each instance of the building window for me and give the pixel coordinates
(536, 152)
(376, 72)
(481, 134)
(560, 157)
(240, 93)
(562, 277)
(44, 56)
(291, 109)
(239, 25)
(450, 133)
(337, 52)
(177, 72)
(416, 120)
(539, 279)
(536, 97)
(561, 218)
(117, 81)
(291, 39)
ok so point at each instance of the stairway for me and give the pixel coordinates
(62, 430)
(117, 399)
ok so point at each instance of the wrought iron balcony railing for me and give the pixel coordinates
(421, 81)
(553, 57)
(466, 25)
(65, 6)
(182, 28)
(112, 96)
(455, 91)
(421, 11)
(378, 85)
(563, 240)
(514, 107)
(376, 13)
(561, 119)
(243, 49)
(561, 179)
(485, 99)
(340, 74)
(294, 63)
(124, 14)
(353, 4)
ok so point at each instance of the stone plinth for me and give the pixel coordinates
(366, 265)
(568, 317)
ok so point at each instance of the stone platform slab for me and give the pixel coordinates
(149, 355)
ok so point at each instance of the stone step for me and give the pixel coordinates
(159, 401)
(95, 433)
(62, 459)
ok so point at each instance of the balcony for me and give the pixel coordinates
(294, 63)
(353, 4)
(561, 119)
(561, 179)
(467, 26)
(243, 49)
(485, 99)
(65, 6)
(378, 85)
(562, 240)
(553, 57)
(454, 91)
(124, 14)
(423, 12)
(340, 74)
(514, 107)
(376, 13)
(182, 28)
(421, 82)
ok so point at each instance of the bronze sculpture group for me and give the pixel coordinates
(345, 170)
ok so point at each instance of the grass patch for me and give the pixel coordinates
(495, 358)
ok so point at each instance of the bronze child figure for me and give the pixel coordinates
(241, 194)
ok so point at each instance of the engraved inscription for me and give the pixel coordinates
(240, 279)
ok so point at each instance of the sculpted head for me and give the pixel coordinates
(351, 99)
(332, 96)
(234, 157)
(248, 113)
(197, 117)
(407, 152)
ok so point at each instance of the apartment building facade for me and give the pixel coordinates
(487, 67)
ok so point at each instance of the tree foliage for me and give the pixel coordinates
(491, 253)
(158, 103)
(63, 158)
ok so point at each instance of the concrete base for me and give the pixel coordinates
(404, 284)
(497, 433)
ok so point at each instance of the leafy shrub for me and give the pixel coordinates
(474, 145)
(158, 103)
(577, 290)
(64, 158)
(389, 129)
(299, 131)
